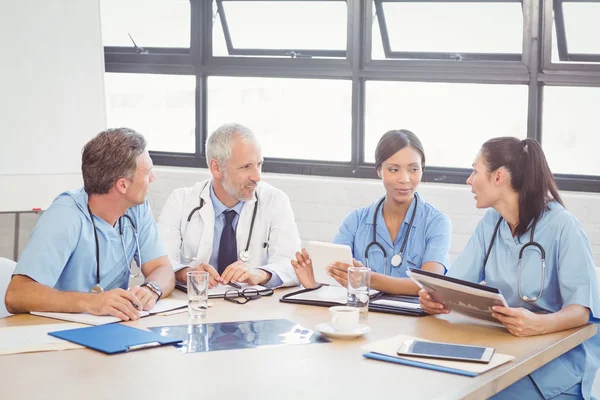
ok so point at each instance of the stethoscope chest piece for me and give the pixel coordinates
(245, 255)
(396, 259)
(96, 289)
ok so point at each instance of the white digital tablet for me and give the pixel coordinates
(323, 254)
(464, 297)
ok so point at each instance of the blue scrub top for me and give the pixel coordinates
(429, 238)
(570, 278)
(61, 252)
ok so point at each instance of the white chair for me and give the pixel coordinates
(7, 267)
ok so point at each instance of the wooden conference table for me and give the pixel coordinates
(312, 371)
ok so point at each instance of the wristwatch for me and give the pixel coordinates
(154, 288)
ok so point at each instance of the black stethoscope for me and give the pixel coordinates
(396, 258)
(244, 255)
(519, 270)
(97, 288)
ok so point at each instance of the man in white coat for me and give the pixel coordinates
(233, 226)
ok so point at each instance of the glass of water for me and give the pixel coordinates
(359, 283)
(197, 293)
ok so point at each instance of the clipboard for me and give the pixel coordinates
(400, 305)
(114, 338)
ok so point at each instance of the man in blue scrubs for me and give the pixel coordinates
(80, 253)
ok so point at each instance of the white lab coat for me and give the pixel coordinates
(274, 225)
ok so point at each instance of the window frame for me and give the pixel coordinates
(462, 57)
(561, 35)
(259, 52)
(533, 70)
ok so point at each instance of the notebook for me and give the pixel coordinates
(328, 296)
(89, 319)
(114, 338)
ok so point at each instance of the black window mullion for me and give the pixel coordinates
(561, 35)
(383, 31)
(533, 32)
(225, 27)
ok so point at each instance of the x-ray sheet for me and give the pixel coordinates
(239, 335)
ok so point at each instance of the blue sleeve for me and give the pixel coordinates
(438, 235)
(50, 246)
(151, 246)
(347, 230)
(576, 270)
(275, 280)
(469, 264)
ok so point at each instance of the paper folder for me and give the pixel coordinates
(114, 338)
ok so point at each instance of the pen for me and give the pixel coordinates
(235, 285)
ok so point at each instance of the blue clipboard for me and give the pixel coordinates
(419, 364)
(114, 338)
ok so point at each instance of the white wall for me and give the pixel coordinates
(321, 203)
(52, 101)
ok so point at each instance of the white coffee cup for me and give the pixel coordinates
(344, 318)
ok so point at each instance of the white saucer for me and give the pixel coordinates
(328, 330)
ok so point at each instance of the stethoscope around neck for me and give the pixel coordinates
(97, 288)
(244, 255)
(396, 258)
(531, 243)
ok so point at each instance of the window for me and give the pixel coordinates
(448, 30)
(576, 32)
(570, 123)
(161, 107)
(451, 120)
(293, 118)
(320, 81)
(151, 23)
(293, 29)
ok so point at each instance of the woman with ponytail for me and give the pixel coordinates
(511, 177)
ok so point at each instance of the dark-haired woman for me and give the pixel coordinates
(526, 219)
(411, 232)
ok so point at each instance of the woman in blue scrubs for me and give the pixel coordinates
(412, 233)
(511, 177)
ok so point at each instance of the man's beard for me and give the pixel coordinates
(233, 192)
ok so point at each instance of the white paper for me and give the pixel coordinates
(25, 339)
(168, 304)
(395, 303)
(89, 319)
(331, 294)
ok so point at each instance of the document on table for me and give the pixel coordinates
(34, 338)
(89, 319)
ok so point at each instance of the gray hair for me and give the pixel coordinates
(220, 142)
(111, 155)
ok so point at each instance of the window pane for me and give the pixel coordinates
(293, 118)
(288, 25)
(451, 27)
(151, 23)
(569, 129)
(451, 119)
(581, 31)
(161, 107)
